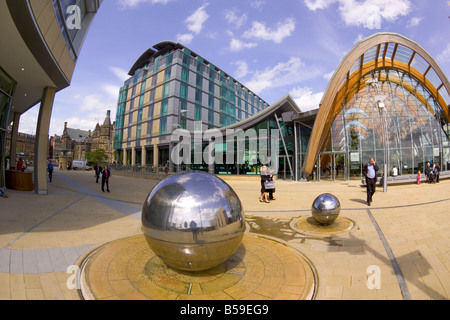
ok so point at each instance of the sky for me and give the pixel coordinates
(273, 47)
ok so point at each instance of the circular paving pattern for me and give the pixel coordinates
(309, 226)
(260, 269)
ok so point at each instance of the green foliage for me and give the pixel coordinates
(97, 156)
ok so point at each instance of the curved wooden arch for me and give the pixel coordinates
(342, 81)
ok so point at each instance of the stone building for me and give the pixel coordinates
(73, 144)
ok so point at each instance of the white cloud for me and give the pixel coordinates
(184, 38)
(306, 99)
(124, 4)
(119, 73)
(257, 4)
(111, 90)
(94, 103)
(284, 73)
(28, 120)
(367, 13)
(444, 56)
(414, 22)
(328, 75)
(197, 19)
(195, 24)
(238, 45)
(232, 18)
(314, 5)
(260, 31)
(358, 38)
(242, 69)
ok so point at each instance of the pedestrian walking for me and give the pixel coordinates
(370, 172)
(436, 170)
(98, 171)
(265, 177)
(50, 170)
(271, 191)
(106, 173)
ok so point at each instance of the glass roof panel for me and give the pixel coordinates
(420, 64)
(444, 94)
(370, 54)
(382, 48)
(390, 50)
(403, 54)
(433, 78)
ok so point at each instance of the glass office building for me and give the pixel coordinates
(173, 87)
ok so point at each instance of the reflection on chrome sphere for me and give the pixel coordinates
(193, 221)
(325, 209)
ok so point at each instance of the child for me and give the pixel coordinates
(418, 177)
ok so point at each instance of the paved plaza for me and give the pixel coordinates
(397, 249)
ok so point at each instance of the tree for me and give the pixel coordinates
(97, 156)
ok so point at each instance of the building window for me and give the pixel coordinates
(211, 102)
(162, 126)
(183, 91)
(200, 65)
(169, 60)
(198, 96)
(199, 81)
(138, 132)
(183, 105)
(182, 122)
(210, 117)
(156, 65)
(166, 90)
(186, 59)
(164, 105)
(185, 75)
(198, 113)
(167, 74)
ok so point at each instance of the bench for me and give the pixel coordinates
(409, 178)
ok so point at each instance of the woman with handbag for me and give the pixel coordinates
(265, 177)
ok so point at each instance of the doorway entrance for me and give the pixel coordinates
(332, 166)
(284, 169)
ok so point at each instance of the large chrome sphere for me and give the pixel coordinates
(325, 209)
(193, 221)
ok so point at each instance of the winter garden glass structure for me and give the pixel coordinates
(388, 100)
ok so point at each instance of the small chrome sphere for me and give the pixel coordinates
(193, 221)
(325, 209)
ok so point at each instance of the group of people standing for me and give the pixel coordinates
(432, 172)
(103, 173)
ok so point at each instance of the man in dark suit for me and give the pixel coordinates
(370, 170)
